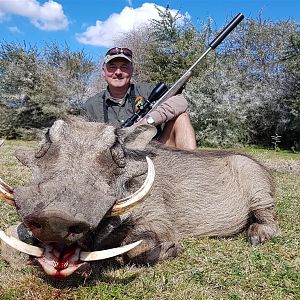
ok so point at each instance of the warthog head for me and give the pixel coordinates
(81, 174)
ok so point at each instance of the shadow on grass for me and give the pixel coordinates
(98, 273)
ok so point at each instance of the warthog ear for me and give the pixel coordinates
(43, 145)
(26, 157)
(56, 130)
(137, 137)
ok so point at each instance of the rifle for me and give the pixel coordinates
(160, 93)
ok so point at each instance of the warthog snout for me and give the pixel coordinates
(56, 226)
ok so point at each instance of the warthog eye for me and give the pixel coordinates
(33, 224)
(77, 229)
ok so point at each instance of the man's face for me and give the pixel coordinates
(118, 72)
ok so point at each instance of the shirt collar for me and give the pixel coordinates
(108, 97)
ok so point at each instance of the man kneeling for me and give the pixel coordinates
(122, 98)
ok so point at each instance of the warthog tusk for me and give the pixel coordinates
(21, 246)
(136, 198)
(84, 256)
(5, 186)
(6, 192)
(104, 254)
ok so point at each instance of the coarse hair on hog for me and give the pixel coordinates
(97, 187)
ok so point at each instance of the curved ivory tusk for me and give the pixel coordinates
(84, 256)
(21, 246)
(6, 192)
(6, 186)
(136, 198)
(104, 254)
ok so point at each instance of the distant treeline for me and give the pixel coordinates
(246, 92)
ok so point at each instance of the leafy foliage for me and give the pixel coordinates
(38, 87)
(246, 88)
(174, 48)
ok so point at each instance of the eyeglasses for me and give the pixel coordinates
(117, 50)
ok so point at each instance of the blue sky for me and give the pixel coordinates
(91, 24)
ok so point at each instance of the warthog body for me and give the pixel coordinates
(81, 168)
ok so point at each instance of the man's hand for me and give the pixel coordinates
(142, 121)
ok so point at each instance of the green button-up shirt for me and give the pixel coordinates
(117, 113)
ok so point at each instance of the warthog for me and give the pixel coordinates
(98, 187)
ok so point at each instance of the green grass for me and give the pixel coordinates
(272, 154)
(207, 269)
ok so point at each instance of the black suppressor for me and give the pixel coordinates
(219, 39)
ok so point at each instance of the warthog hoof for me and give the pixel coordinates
(260, 233)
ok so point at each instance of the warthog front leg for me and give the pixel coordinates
(155, 247)
(264, 228)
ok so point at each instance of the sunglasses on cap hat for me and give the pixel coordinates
(118, 52)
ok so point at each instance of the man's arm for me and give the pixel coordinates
(169, 109)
